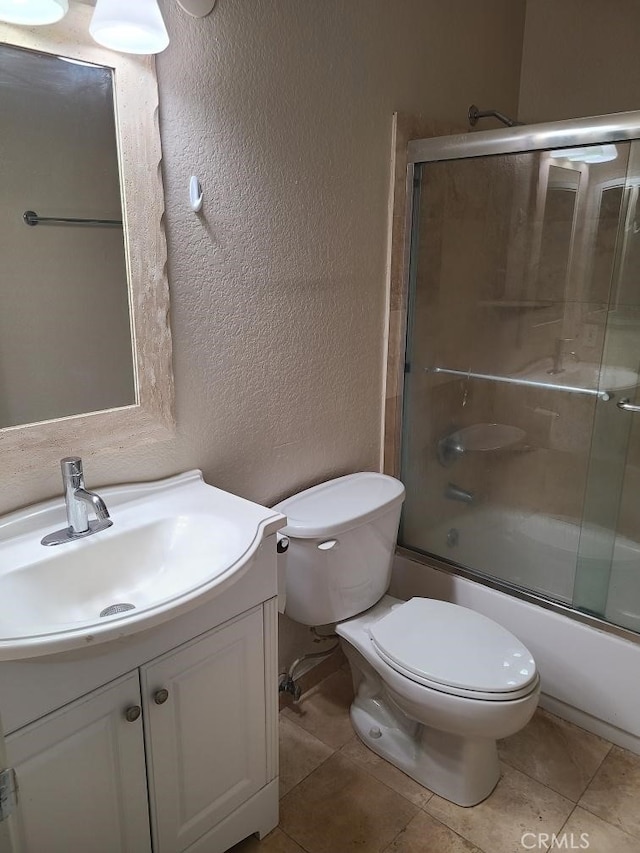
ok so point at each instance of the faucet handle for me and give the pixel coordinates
(561, 343)
(71, 465)
(72, 471)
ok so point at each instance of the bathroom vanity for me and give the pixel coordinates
(162, 739)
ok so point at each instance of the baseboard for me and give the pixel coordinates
(592, 724)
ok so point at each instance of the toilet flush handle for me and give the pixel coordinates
(329, 545)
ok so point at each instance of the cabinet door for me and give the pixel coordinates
(206, 738)
(6, 840)
(81, 776)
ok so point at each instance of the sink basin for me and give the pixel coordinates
(174, 545)
(581, 374)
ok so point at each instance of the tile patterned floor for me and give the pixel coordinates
(339, 797)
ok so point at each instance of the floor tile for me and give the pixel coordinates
(340, 808)
(324, 710)
(614, 793)
(275, 842)
(300, 754)
(556, 753)
(519, 804)
(356, 751)
(427, 835)
(601, 837)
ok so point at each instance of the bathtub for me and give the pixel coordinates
(540, 554)
(589, 676)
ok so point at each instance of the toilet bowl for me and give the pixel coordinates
(440, 733)
(436, 684)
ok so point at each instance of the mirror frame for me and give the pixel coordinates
(33, 446)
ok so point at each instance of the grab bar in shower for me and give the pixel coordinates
(530, 383)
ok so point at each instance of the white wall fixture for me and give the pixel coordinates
(129, 27)
(195, 194)
(197, 8)
(33, 13)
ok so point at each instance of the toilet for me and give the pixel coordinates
(436, 684)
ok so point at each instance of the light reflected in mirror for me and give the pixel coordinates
(65, 326)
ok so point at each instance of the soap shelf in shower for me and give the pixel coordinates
(527, 383)
(478, 438)
(482, 437)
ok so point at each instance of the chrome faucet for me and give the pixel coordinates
(78, 500)
(559, 356)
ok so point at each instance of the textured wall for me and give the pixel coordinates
(283, 109)
(579, 59)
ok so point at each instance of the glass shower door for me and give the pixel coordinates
(608, 572)
(512, 263)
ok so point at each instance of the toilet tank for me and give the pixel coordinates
(342, 536)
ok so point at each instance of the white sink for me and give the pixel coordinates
(581, 374)
(174, 545)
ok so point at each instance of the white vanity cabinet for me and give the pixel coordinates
(176, 753)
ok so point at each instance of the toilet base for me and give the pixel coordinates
(462, 770)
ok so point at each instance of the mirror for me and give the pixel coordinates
(65, 330)
(85, 343)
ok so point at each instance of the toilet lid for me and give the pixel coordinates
(339, 505)
(446, 644)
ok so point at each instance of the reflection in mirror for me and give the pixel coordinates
(65, 328)
(557, 231)
(626, 291)
(604, 241)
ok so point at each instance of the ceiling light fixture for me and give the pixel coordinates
(33, 13)
(129, 27)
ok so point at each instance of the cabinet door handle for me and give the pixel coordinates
(160, 696)
(133, 713)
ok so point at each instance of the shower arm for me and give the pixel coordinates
(475, 115)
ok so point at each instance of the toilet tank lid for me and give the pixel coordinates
(338, 505)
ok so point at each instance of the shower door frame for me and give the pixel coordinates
(593, 130)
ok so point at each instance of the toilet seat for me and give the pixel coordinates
(454, 650)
